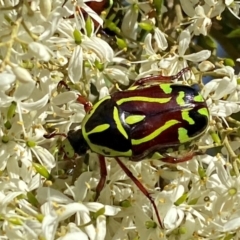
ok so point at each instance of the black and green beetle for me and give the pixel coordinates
(161, 117)
(153, 115)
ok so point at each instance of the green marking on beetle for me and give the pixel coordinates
(156, 133)
(95, 106)
(109, 152)
(143, 99)
(180, 97)
(133, 87)
(183, 135)
(198, 98)
(186, 117)
(132, 119)
(88, 116)
(99, 128)
(118, 123)
(204, 111)
(166, 87)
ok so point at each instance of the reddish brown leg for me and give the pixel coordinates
(103, 175)
(62, 83)
(81, 99)
(140, 187)
(53, 134)
(64, 3)
(160, 78)
(185, 158)
(87, 105)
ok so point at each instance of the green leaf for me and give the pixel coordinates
(32, 199)
(89, 26)
(31, 144)
(210, 42)
(229, 62)
(181, 200)
(42, 170)
(150, 224)
(201, 172)
(158, 6)
(5, 139)
(11, 110)
(77, 36)
(234, 34)
(7, 125)
(121, 43)
(100, 212)
(146, 26)
(125, 204)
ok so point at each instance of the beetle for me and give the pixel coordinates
(154, 115)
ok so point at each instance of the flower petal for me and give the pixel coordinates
(199, 56)
(75, 65)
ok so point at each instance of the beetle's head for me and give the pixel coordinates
(77, 141)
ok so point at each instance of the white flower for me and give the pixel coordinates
(45, 7)
(216, 90)
(173, 214)
(133, 9)
(67, 207)
(160, 39)
(6, 80)
(146, 227)
(41, 51)
(211, 8)
(227, 187)
(54, 19)
(233, 7)
(129, 22)
(22, 74)
(201, 22)
(218, 86)
(151, 53)
(81, 4)
(179, 61)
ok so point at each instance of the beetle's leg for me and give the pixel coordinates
(64, 3)
(160, 78)
(103, 175)
(185, 158)
(97, 7)
(62, 83)
(81, 99)
(140, 187)
(53, 134)
(84, 101)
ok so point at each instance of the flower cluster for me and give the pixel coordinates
(55, 54)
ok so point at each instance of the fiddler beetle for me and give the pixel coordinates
(152, 116)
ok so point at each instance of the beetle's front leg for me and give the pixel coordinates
(81, 99)
(84, 101)
(103, 175)
(160, 78)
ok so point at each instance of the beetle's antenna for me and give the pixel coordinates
(54, 134)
